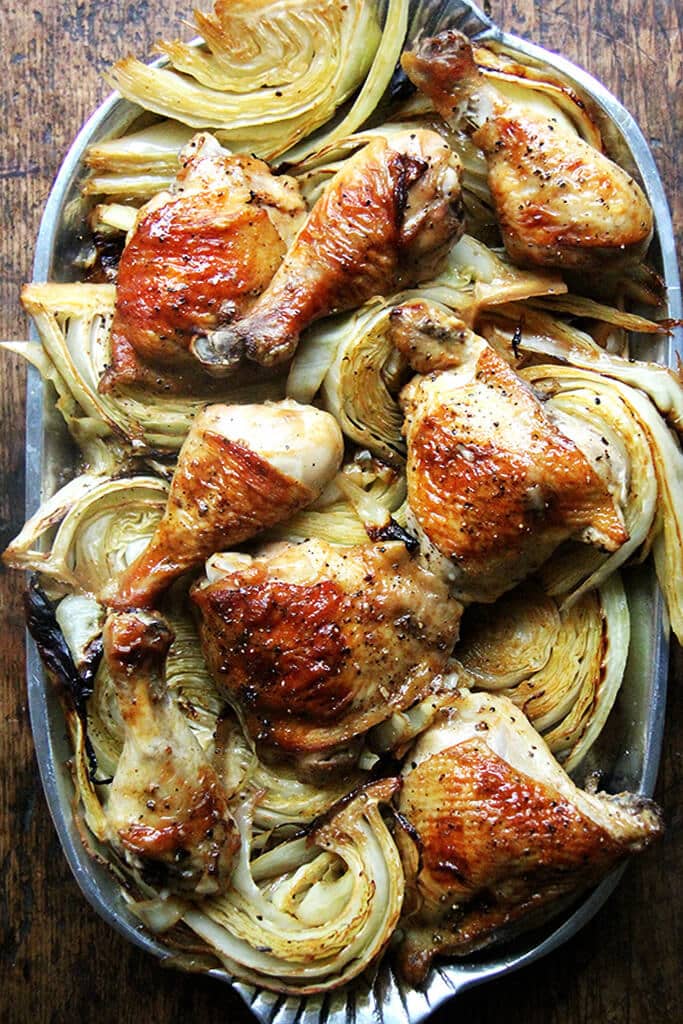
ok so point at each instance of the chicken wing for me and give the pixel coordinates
(503, 832)
(166, 809)
(494, 485)
(385, 221)
(241, 469)
(559, 201)
(315, 644)
(197, 255)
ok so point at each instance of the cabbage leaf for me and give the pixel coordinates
(268, 75)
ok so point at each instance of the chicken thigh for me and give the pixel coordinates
(241, 469)
(314, 644)
(503, 832)
(197, 255)
(385, 221)
(559, 201)
(166, 809)
(494, 485)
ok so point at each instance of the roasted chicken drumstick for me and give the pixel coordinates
(559, 201)
(503, 832)
(241, 469)
(384, 222)
(166, 808)
(494, 484)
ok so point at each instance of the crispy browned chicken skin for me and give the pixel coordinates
(315, 644)
(493, 484)
(559, 201)
(198, 254)
(166, 806)
(501, 830)
(241, 469)
(385, 221)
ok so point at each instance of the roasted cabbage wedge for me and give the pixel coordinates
(561, 666)
(653, 466)
(366, 499)
(281, 800)
(138, 164)
(268, 75)
(303, 916)
(541, 334)
(134, 167)
(102, 523)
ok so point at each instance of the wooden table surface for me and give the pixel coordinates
(59, 961)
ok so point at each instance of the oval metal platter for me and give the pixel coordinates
(628, 753)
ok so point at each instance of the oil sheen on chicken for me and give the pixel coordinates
(241, 469)
(493, 485)
(384, 222)
(314, 644)
(502, 831)
(166, 809)
(559, 201)
(197, 255)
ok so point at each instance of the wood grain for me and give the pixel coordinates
(59, 961)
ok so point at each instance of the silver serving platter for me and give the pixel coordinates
(628, 752)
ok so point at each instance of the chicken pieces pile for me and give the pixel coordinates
(314, 644)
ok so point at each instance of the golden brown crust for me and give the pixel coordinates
(222, 493)
(198, 258)
(185, 260)
(317, 660)
(559, 200)
(493, 818)
(497, 847)
(347, 251)
(494, 485)
(443, 68)
(288, 651)
(133, 644)
(429, 338)
(202, 819)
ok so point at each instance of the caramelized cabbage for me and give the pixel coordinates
(361, 500)
(542, 334)
(312, 913)
(654, 503)
(279, 798)
(268, 75)
(103, 522)
(319, 885)
(562, 666)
